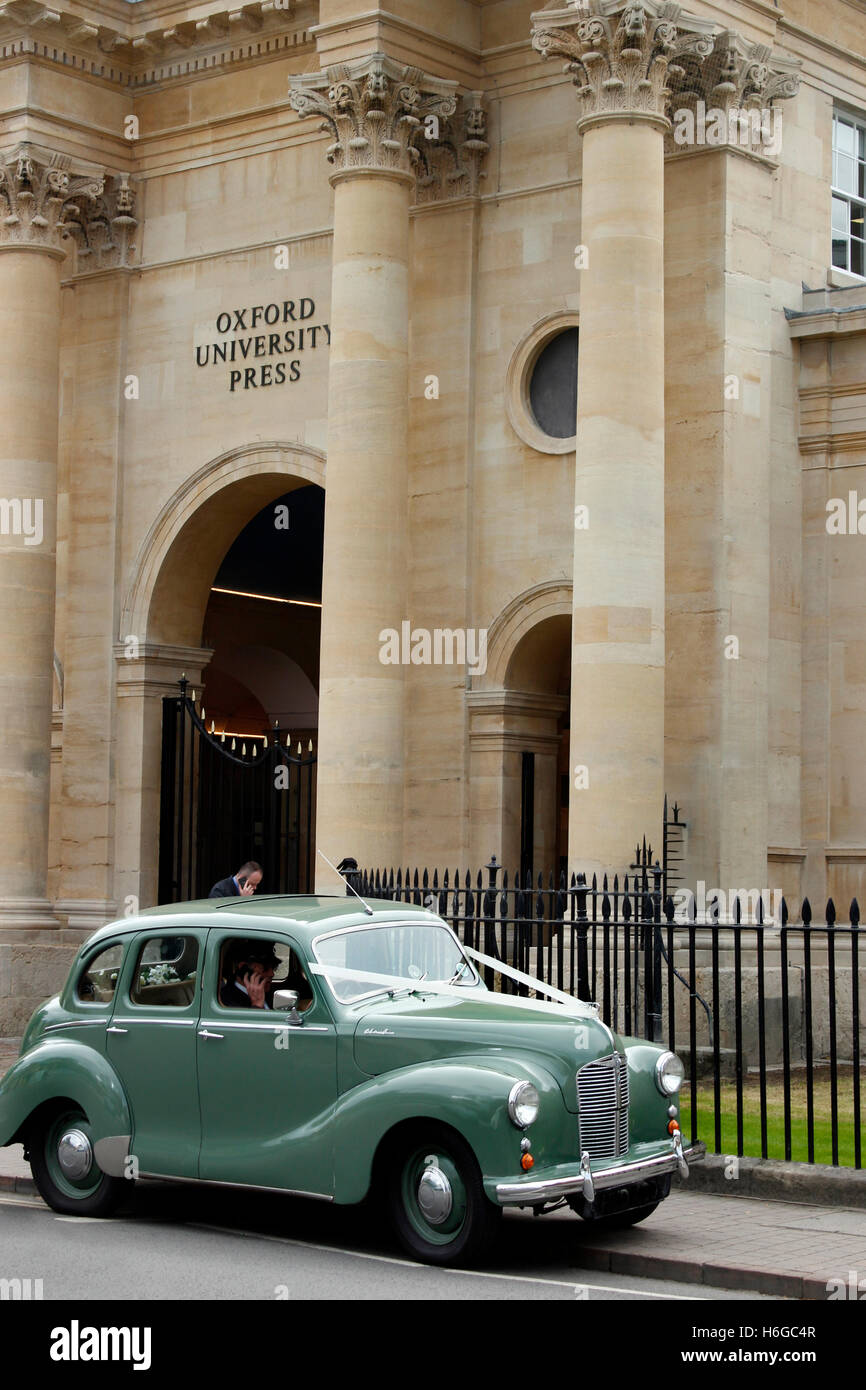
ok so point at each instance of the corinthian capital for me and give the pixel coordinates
(623, 56)
(375, 109)
(104, 228)
(733, 99)
(34, 195)
(743, 74)
(44, 202)
(449, 163)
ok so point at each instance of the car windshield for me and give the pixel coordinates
(407, 954)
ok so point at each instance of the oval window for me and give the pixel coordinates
(553, 386)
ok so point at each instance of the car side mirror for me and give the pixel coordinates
(288, 999)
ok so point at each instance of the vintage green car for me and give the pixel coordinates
(338, 1050)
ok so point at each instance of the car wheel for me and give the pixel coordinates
(437, 1203)
(622, 1219)
(66, 1172)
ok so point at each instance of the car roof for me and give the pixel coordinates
(307, 914)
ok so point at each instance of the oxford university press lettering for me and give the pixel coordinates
(251, 343)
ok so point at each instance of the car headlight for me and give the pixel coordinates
(669, 1073)
(523, 1104)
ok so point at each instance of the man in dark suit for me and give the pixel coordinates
(250, 970)
(241, 885)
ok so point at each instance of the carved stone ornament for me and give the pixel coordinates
(449, 165)
(375, 110)
(104, 232)
(733, 98)
(624, 58)
(44, 202)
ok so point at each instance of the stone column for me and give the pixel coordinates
(95, 311)
(374, 109)
(725, 146)
(38, 196)
(621, 58)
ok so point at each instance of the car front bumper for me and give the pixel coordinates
(530, 1192)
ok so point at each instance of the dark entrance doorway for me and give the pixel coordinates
(238, 781)
(225, 800)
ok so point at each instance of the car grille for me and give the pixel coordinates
(602, 1104)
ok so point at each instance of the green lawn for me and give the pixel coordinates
(776, 1117)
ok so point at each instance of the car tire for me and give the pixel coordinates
(437, 1204)
(620, 1221)
(65, 1171)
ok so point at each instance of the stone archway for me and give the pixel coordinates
(518, 708)
(179, 556)
(161, 625)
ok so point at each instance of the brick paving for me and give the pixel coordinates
(788, 1249)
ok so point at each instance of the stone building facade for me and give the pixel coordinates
(250, 250)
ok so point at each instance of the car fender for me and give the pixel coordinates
(648, 1108)
(64, 1069)
(469, 1094)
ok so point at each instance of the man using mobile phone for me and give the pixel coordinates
(255, 964)
(240, 885)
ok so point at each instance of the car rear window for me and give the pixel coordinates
(98, 980)
(166, 972)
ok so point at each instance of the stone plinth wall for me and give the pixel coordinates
(30, 973)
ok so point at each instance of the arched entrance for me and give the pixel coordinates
(518, 734)
(174, 624)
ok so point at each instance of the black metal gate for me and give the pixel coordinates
(224, 800)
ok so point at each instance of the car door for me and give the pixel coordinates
(267, 1089)
(152, 1046)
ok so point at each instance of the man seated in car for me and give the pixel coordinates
(251, 966)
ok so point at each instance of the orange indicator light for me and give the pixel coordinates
(527, 1162)
(673, 1127)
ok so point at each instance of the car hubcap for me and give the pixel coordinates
(435, 1197)
(74, 1154)
(69, 1158)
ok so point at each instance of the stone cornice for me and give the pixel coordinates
(155, 670)
(375, 110)
(45, 202)
(826, 323)
(507, 702)
(625, 56)
(136, 53)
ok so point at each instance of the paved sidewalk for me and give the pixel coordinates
(786, 1249)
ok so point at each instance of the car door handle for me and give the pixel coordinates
(203, 1033)
(112, 1029)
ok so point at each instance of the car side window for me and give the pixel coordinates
(98, 980)
(274, 961)
(166, 972)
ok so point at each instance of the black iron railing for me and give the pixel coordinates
(766, 1014)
